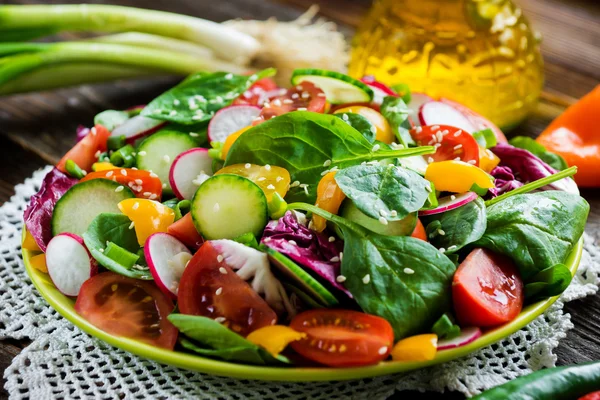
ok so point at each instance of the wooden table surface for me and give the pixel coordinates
(37, 129)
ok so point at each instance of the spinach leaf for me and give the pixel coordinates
(457, 228)
(536, 230)
(552, 159)
(549, 282)
(198, 97)
(384, 191)
(106, 228)
(216, 340)
(405, 280)
(395, 110)
(361, 124)
(308, 144)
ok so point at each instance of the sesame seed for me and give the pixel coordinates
(452, 248)
(228, 76)
(176, 102)
(194, 134)
(334, 259)
(383, 350)
(341, 255)
(327, 163)
(437, 145)
(345, 117)
(136, 205)
(376, 148)
(305, 95)
(440, 136)
(458, 146)
(429, 160)
(197, 117)
(321, 95)
(383, 221)
(435, 127)
(340, 278)
(123, 172)
(119, 189)
(262, 178)
(277, 102)
(383, 213)
(131, 184)
(142, 153)
(219, 291)
(101, 250)
(293, 242)
(138, 181)
(299, 87)
(93, 131)
(294, 184)
(109, 174)
(97, 154)
(153, 196)
(373, 129)
(223, 271)
(472, 162)
(457, 159)
(295, 96)
(131, 225)
(172, 113)
(331, 239)
(271, 187)
(216, 207)
(418, 129)
(428, 188)
(166, 158)
(452, 197)
(279, 179)
(302, 109)
(153, 175)
(146, 194)
(134, 168)
(220, 258)
(366, 279)
(441, 232)
(458, 133)
(164, 185)
(220, 319)
(409, 271)
(268, 167)
(442, 250)
(288, 101)
(393, 213)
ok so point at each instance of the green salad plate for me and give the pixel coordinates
(65, 306)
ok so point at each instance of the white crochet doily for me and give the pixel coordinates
(63, 362)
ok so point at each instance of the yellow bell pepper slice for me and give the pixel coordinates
(416, 348)
(457, 176)
(487, 160)
(148, 217)
(231, 140)
(383, 132)
(275, 338)
(39, 262)
(29, 242)
(102, 166)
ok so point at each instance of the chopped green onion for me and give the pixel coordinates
(104, 157)
(123, 157)
(115, 142)
(247, 239)
(478, 189)
(182, 208)
(74, 170)
(445, 328)
(120, 255)
(277, 206)
(485, 138)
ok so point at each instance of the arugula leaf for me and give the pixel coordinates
(536, 230)
(109, 227)
(549, 282)
(308, 144)
(361, 124)
(219, 341)
(405, 280)
(198, 97)
(552, 159)
(395, 110)
(378, 190)
(460, 227)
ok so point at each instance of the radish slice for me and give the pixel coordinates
(416, 101)
(137, 127)
(479, 121)
(380, 90)
(69, 263)
(450, 203)
(167, 258)
(231, 119)
(438, 113)
(466, 336)
(189, 170)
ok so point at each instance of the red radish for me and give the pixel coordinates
(380, 90)
(479, 121)
(450, 203)
(438, 113)
(231, 119)
(69, 263)
(188, 171)
(416, 101)
(167, 258)
(467, 335)
(137, 127)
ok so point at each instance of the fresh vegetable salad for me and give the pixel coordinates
(337, 222)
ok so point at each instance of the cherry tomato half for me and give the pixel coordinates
(419, 232)
(210, 288)
(303, 97)
(144, 184)
(452, 143)
(127, 307)
(487, 290)
(258, 93)
(591, 396)
(84, 152)
(343, 338)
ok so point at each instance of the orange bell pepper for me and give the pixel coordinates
(329, 198)
(39, 262)
(457, 176)
(575, 135)
(148, 217)
(29, 242)
(275, 338)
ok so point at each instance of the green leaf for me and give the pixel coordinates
(217, 340)
(361, 124)
(106, 228)
(197, 98)
(552, 159)
(460, 227)
(308, 144)
(395, 110)
(549, 282)
(536, 230)
(383, 191)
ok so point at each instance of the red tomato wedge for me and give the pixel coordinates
(84, 152)
(128, 307)
(487, 290)
(591, 396)
(186, 232)
(144, 184)
(452, 143)
(304, 96)
(210, 288)
(258, 93)
(419, 231)
(343, 338)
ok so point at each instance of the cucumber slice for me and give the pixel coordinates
(403, 227)
(302, 279)
(227, 206)
(338, 88)
(157, 152)
(78, 207)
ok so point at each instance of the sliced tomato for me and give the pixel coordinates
(209, 287)
(343, 338)
(591, 396)
(259, 93)
(487, 290)
(128, 307)
(186, 232)
(305, 96)
(419, 231)
(84, 152)
(451, 143)
(144, 184)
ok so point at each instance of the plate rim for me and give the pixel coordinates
(64, 306)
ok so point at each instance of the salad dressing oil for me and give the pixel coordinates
(481, 53)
